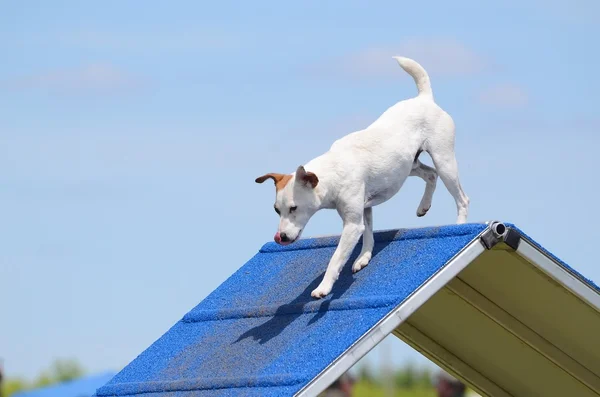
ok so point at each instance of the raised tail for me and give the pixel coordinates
(418, 73)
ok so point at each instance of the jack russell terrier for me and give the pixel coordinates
(367, 168)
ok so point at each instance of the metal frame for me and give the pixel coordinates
(559, 273)
(551, 268)
(431, 349)
(396, 317)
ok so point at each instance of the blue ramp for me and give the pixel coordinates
(261, 334)
(82, 387)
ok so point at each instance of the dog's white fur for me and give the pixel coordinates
(368, 167)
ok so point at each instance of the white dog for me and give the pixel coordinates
(368, 167)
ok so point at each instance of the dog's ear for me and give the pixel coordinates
(307, 178)
(276, 178)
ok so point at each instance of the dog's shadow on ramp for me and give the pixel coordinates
(289, 312)
(346, 279)
(283, 316)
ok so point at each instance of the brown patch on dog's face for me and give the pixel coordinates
(280, 179)
(282, 182)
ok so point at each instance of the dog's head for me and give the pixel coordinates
(296, 202)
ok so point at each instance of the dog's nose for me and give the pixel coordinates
(284, 238)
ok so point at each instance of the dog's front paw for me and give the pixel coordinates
(321, 291)
(361, 262)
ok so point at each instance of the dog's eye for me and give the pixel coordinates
(277, 210)
(292, 209)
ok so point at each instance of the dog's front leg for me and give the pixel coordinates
(353, 229)
(368, 242)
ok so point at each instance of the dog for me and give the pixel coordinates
(368, 167)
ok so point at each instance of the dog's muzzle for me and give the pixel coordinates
(284, 239)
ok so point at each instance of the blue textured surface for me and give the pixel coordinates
(261, 334)
(82, 387)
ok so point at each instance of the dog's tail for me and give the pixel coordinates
(418, 73)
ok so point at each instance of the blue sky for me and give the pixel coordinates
(131, 134)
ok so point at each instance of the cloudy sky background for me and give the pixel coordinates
(131, 134)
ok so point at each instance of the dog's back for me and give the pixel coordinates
(400, 131)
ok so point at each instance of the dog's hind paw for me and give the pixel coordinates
(361, 262)
(422, 211)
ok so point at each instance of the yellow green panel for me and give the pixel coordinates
(491, 350)
(539, 302)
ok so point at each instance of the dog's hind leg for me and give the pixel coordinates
(447, 168)
(368, 242)
(429, 175)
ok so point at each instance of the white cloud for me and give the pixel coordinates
(87, 79)
(504, 95)
(440, 56)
